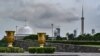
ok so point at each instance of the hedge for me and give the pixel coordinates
(32, 49)
(76, 42)
(11, 50)
(41, 50)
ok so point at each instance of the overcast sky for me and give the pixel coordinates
(40, 14)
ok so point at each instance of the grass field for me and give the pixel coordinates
(91, 45)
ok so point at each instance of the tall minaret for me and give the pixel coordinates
(82, 21)
(25, 22)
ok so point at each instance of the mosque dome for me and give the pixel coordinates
(25, 30)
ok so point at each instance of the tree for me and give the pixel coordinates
(33, 37)
(85, 37)
(70, 36)
(3, 42)
(97, 36)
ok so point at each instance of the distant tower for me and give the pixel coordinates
(52, 25)
(55, 33)
(93, 31)
(75, 33)
(25, 22)
(82, 21)
(16, 29)
(58, 32)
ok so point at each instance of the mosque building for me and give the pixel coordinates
(23, 31)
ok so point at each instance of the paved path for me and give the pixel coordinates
(55, 54)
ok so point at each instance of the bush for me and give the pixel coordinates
(77, 42)
(49, 49)
(32, 49)
(2, 49)
(11, 50)
(41, 50)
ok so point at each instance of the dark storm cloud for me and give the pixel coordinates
(78, 1)
(43, 25)
(38, 14)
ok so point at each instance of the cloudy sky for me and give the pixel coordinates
(40, 14)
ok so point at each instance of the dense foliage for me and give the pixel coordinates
(84, 37)
(88, 37)
(41, 50)
(3, 42)
(76, 42)
(11, 50)
(33, 37)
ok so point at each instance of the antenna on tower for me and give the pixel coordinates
(82, 11)
(25, 22)
(82, 8)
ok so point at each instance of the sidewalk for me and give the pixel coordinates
(54, 54)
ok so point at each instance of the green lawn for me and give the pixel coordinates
(91, 45)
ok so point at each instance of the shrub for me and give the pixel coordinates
(2, 50)
(77, 42)
(32, 49)
(21, 50)
(41, 50)
(11, 50)
(49, 49)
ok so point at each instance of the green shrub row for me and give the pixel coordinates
(11, 50)
(41, 50)
(77, 42)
